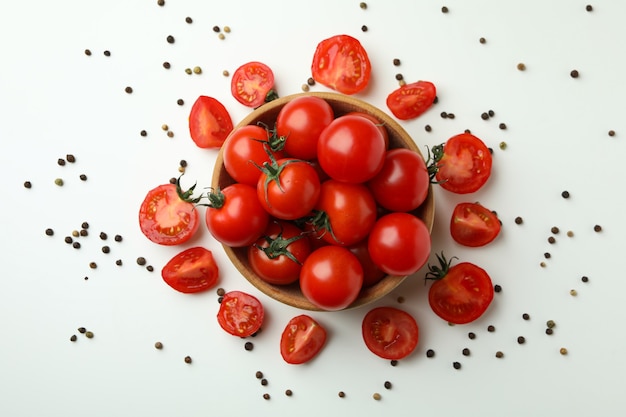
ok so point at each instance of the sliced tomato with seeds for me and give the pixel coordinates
(341, 63)
(473, 225)
(302, 339)
(209, 122)
(240, 314)
(411, 100)
(390, 333)
(252, 84)
(192, 270)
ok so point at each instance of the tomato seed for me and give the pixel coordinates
(456, 365)
(248, 346)
(574, 74)
(188, 359)
(430, 353)
(49, 232)
(158, 345)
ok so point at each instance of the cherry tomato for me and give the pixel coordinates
(390, 333)
(209, 123)
(473, 225)
(302, 339)
(463, 165)
(301, 122)
(278, 255)
(411, 100)
(378, 123)
(345, 213)
(351, 149)
(246, 148)
(371, 273)
(403, 182)
(235, 217)
(341, 63)
(166, 218)
(252, 84)
(399, 243)
(288, 188)
(192, 270)
(331, 277)
(240, 314)
(460, 294)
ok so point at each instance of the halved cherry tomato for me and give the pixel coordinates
(462, 164)
(411, 100)
(278, 255)
(302, 339)
(473, 225)
(166, 218)
(301, 122)
(252, 84)
(460, 294)
(192, 270)
(341, 63)
(390, 333)
(240, 314)
(209, 122)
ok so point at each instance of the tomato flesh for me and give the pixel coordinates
(390, 333)
(165, 218)
(251, 83)
(473, 225)
(466, 164)
(302, 339)
(192, 270)
(240, 314)
(411, 100)
(209, 122)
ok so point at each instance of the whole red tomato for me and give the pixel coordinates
(399, 244)
(252, 84)
(235, 216)
(411, 100)
(381, 127)
(371, 273)
(473, 224)
(209, 122)
(331, 277)
(351, 149)
(192, 270)
(300, 122)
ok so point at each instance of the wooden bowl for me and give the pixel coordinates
(341, 104)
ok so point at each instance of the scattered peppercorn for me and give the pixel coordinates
(158, 345)
(502, 126)
(266, 396)
(466, 352)
(305, 87)
(396, 62)
(554, 230)
(400, 299)
(76, 245)
(565, 194)
(160, 2)
(399, 77)
(589, 7)
(288, 392)
(225, 73)
(443, 115)
(376, 396)
(393, 362)
(103, 236)
(574, 74)
(28, 184)
(484, 116)
(499, 354)
(526, 316)
(563, 351)
(141, 261)
(75, 234)
(551, 240)
(82, 330)
(167, 65)
(49, 232)
(188, 71)
(221, 36)
(89, 334)
(248, 346)
(611, 133)
(363, 5)
(221, 292)
(118, 238)
(547, 255)
(68, 239)
(118, 262)
(521, 66)
(597, 228)
(549, 331)
(216, 29)
(227, 29)
(502, 145)
(363, 28)
(521, 340)
(83, 177)
(456, 365)
(188, 20)
(106, 249)
(573, 293)
(59, 182)
(187, 359)
(258, 374)
(450, 115)
(482, 40)
(73, 338)
(428, 128)
(471, 335)
(197, 70)
(430, 353)
(61, 162)
(341, 394)
(387, 385)
(550, 324)
(93, 265)
(107, 53)
(149, 268)
(491, 328)
(519, 220)
(570, 233)
(170, 134)
(584, 278)
(310, 81)
(129, 90)
(87, 52)
(170, 39)
(264, 381)
(497, 288)
(444, 9)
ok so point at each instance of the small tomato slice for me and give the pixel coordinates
(411, 100)
(460, 294)
(302, 339)
(473, 225)
(390, 333)
(252, 84)
(240, 314)
(341, 63)
(209, 122)
(165, 218)
(192, 270)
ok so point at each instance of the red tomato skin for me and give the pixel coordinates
(301, 121)
(462, 295)
(473, 225)
(399, 244)
(351, 149)
(165, 219)
(280, 270)
(209, 122)
(381, 127)
(466, 164)
(351, 209)
(371, 273)
(241, 220)
(298, 192)
(390, 333)
(341, 63)
(240, 314)
(192, 270)
(302, 340)
(331, 278)
(403, 182)
(411, 100)
(251, 82)
(244, 148)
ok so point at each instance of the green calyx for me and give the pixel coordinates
(187, 195)
(321, 223)
(432, 162)
(436, 272)
(279, 246)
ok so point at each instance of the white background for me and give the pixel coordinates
(56, 100)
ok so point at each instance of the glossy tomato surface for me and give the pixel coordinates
(411, 100)
(473, 225)
(465, 165)
(209, 122)
(371, 273)
(192, 270)
(240, 314)
(381, 127)
(341, 63)
(302, 339)
(251, 83)
(390, 333)
(165, 218)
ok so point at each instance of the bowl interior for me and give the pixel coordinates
(341, 104)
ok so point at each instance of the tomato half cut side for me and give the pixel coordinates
(209, 122)
(390, 333)
(192, 270)
(411, 100)
(165, 218)
(465, 164)
(302, 339)
(240, 314)
(473, 225)
(252, 84)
